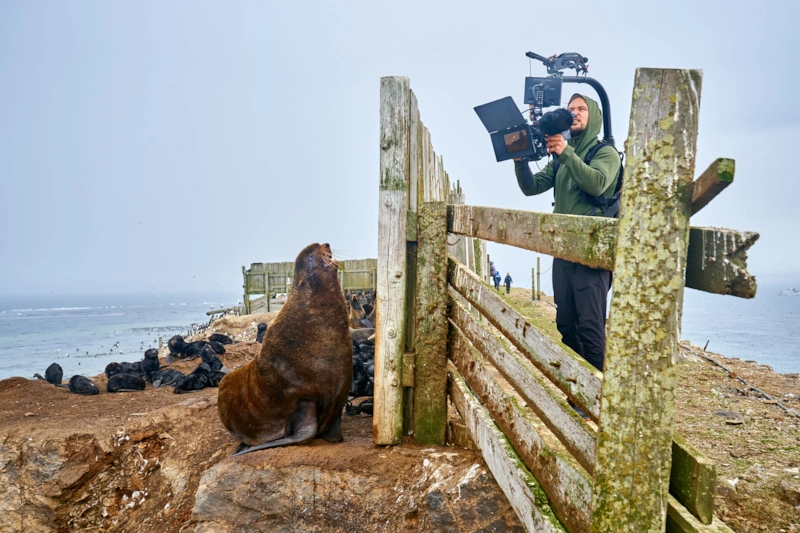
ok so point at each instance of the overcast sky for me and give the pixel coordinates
(157, 146)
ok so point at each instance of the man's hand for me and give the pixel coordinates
(555, 143)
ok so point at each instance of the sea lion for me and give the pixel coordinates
(218, 347)
(297, 386)
(262, 329)
(125, 383)
(83, 385)
(220, 338)
(183, 350)
(134, 369)
(215, 377)
(212, 360)
(168, 376)
(180, 349)
(53, 375)
(358, 318)
(197, 380)
(150, 365)
(371, 315)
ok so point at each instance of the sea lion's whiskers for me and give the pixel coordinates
(342, 253)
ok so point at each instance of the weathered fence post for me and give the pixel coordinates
(533, 283)
(387, 421)
(538, 279)
(267, 295)
(632, 465)
(430, 382)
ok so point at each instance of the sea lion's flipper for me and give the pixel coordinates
(39, 376)
(367, 323)
(305, 429)
(171, 358)
(63, 385)
(334, 433)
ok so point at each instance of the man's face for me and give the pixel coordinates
(580, 109)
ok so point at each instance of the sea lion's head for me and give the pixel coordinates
(356, 304)
(176, 344)
(112, 369)
(315, 267)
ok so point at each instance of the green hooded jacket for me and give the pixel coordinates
(596, 178)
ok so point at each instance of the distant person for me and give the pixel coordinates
(508, 281)
(492, 270)
(497, 281)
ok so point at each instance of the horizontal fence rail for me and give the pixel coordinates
(694, 475)
(717, 257)
(568, 488)
(531, 502)
(520, 486)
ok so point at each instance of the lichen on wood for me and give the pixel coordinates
(430, 381)
(712, 182)
(693, 479)
(521, 488)
(548, 404)
(717, 259)
(591, 241)
(567, 488)
(635, 435)
(569, 372)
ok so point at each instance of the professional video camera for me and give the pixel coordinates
(513, 137)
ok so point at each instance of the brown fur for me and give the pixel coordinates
(306, 357)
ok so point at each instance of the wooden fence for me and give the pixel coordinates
(441, 330)
(269, 279)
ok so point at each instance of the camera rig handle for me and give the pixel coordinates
(557, 63)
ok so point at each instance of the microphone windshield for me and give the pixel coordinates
(555, 122)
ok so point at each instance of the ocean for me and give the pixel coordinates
(764, 329)
(84, 334)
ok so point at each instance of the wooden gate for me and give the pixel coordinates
(625, 471)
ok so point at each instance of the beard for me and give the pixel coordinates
(576, 130)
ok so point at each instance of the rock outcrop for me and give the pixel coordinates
(154, 461)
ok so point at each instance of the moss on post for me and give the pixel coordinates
(430, 379)
(633, 458)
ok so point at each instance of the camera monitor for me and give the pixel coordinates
(510, 133)
(543, 92)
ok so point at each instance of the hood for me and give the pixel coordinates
(582, 142)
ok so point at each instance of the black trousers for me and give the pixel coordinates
(580, 294)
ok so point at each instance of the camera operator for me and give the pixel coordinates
(580, 292)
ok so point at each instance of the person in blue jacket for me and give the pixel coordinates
(508, 281)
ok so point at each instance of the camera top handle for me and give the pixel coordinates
(558, 63)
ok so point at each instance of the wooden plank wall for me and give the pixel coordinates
(543, 375)
(411, 173)
(354, 274)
